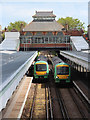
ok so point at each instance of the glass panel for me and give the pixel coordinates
(50, 40)
(58, 40)
(42, 40)
(24, 40)
(62, 70)
(41, 67)
(28, 41)
(46, 40)
(67, 39)
(54, 40)
(39, 40)
(36, 40)
(33, 40)
(64, 41)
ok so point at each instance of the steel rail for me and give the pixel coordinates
(50, 105)
(46, 103)
(62, 105)
(81, 92)
(49, 109)
(82, 98)
(33, 103)
(75, 101)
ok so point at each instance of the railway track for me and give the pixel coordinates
(51, 102)
(67, 103)
(33, 103)
(41, 107)
(74, 103)
(78, 101)
(81, 94)
(63, 108)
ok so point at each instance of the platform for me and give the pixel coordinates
(80, 58)
(11, 62)
(12, 69)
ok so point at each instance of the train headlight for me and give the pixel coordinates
(56, 76)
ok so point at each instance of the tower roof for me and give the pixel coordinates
(43, 21)
(44, 14)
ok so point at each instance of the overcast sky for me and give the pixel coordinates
(14, 10)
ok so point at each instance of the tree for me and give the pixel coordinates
(16, 25)
(71, 23)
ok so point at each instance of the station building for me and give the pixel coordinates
(44, 32)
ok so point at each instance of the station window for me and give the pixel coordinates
(36, 40)
(58, 40)
(42, 39)
(32, 40)
(54, 40)
(64, 40)
(67, 39)
(24, 41)
(28, 41)
(21, 40)
(50, 40)
(46, 40)
(39, 40)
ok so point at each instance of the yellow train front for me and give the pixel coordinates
(62, 72)
(41, 68)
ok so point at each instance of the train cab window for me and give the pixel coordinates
(41, 67)
(62, 70)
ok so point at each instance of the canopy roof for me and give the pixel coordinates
(43, 26)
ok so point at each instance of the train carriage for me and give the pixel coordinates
(41, 68)
(61, 71)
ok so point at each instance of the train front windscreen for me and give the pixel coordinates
(41, 67)
(62, 70)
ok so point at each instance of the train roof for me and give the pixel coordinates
(42, 58)
(56, 60)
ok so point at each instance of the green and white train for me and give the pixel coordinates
(62, 72)
(41, 68)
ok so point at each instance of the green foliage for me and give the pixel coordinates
(16, 25)
(3, 35)
(85, 32)
(72, 23)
